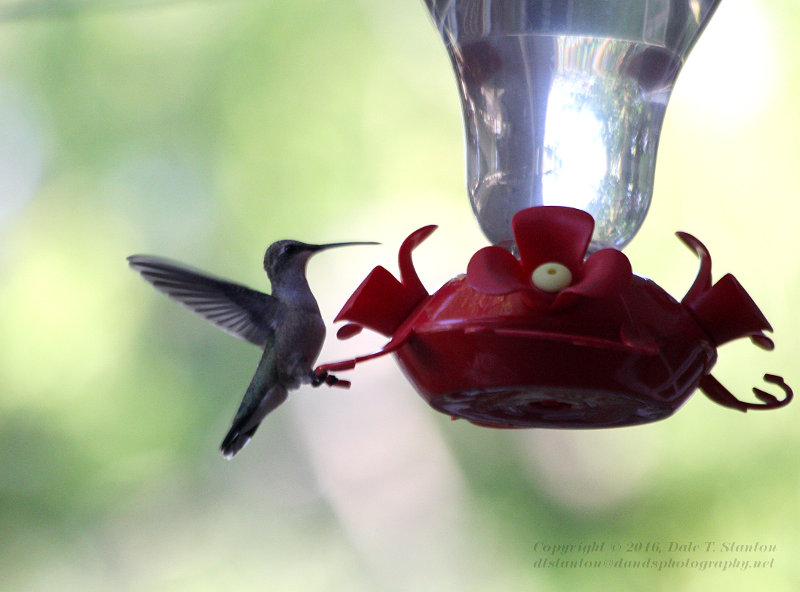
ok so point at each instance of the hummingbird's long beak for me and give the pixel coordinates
(317, 248)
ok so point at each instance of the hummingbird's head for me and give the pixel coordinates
(286, 255)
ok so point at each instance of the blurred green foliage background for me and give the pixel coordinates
(204, 130)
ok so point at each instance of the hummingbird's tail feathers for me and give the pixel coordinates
(251, 413)
(235, 441)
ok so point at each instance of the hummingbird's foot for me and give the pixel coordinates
(318, 377)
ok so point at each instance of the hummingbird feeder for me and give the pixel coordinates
(563, 102)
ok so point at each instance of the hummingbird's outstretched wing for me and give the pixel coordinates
(236, 309)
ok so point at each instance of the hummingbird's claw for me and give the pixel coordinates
(318, 377)
(331, 380)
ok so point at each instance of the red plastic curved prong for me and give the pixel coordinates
(392, 346)
(771, 401)
(715, 391)
(702, 283)
(408, 274)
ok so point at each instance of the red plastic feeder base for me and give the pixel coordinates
(510, 366)
(551, 339)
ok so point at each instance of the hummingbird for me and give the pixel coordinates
(286, 324)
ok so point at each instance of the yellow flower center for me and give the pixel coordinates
(551, 277)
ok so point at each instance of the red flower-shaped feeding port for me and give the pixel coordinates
(552, 340)
(550, 272)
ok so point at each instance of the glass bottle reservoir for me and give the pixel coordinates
(563, 102)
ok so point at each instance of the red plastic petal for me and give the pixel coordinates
(493, 270)
(380, 303)
(606, 273)
(552, 233)
(727, 312)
